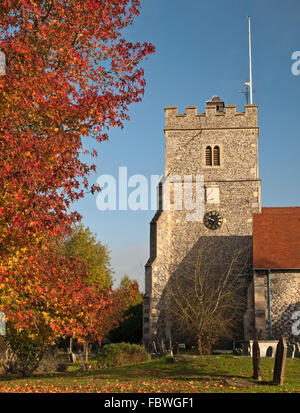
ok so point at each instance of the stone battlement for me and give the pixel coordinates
(228, 119)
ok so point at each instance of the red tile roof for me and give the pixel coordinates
(276, 238)
(280, 210)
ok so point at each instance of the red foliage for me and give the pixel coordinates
(70, 74)
(47, 294)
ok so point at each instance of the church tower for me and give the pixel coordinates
(221, 145)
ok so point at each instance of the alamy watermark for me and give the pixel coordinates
(171, 192)
(296, 65)
(2, 324)
(296, 323)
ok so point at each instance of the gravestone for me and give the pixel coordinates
(72, 356)
(291, 350)
(180, 346)
(280, 361)
(269, 352)
(297, 350)
(256, 360)
(84, 367)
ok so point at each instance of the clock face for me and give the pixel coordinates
(213, 220)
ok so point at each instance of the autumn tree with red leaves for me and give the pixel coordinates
(70, 76)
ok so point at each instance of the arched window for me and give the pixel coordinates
(208, 156)
(216, 156)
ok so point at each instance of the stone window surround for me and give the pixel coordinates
(208, 156)
(204, 156)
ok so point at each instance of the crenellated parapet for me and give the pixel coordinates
(228, 118)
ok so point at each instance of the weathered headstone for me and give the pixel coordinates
(84, 367)
(256, 360)
(180, 346)
(280, 360)
(269, 351)
(72, 357)
(297, 351)
(291, 351)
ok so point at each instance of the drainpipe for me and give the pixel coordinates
(269, 303)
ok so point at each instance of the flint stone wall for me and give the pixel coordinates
(173, 240)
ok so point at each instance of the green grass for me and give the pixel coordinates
(210, 374)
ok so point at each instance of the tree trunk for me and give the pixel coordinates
(86, 351)
(72, 356)
(204, 345)
(199, 345)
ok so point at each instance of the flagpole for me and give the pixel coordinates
(250, 62)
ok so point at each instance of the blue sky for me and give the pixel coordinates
(202, 50)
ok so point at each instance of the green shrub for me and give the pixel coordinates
(20, 352)
(119, 354)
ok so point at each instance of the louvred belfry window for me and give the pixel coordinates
(208, 156)
(216, 156)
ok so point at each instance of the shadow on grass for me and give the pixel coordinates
(200, 370)
(265, 383)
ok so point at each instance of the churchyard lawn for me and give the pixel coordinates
(191, 374)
